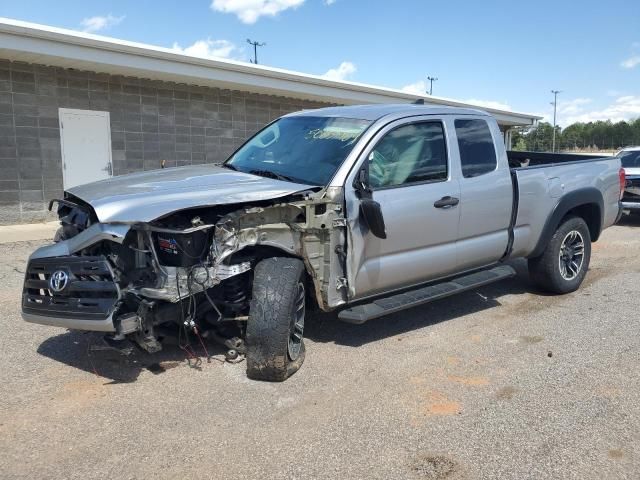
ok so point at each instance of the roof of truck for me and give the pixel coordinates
(377, 111)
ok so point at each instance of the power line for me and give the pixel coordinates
(431, 80)
(255, 50)
(555, 108)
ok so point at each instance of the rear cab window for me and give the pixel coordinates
(477, 150)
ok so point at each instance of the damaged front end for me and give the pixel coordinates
(189, 271)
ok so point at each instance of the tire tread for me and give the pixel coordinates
(543, 270)
(274, 294)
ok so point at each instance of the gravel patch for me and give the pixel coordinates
(502, 382)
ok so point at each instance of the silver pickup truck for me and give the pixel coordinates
(366, 210)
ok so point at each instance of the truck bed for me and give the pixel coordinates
(518, 159)
(542, 180)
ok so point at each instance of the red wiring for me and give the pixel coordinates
(191, 355)
(206, 352)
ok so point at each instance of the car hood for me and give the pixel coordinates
(146, 196)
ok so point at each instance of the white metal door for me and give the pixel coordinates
(86, 146)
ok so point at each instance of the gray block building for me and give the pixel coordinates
(76, 108)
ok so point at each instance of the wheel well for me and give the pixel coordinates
(592, 216)
(261, 252)
(585, 203)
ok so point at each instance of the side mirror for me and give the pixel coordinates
(372, 215)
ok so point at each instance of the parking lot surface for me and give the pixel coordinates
(502, 382)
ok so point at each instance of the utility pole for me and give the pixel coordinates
(431, 80)
(255, 50)
(555, 108)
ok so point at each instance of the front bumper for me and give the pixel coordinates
(630, 205)
(84, 300)
(103, 325)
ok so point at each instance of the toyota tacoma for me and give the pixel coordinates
(363, 210)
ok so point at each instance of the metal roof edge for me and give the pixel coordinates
(82, 39)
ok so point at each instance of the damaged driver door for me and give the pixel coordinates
(407, 171)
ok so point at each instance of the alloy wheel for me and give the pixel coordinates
(571, 256)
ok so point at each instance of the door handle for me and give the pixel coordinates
(446, 202)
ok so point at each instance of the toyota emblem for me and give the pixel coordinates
(58, 280)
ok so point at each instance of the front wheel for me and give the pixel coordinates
(564, 263)
(275, 348)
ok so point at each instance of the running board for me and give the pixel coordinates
(384, 306)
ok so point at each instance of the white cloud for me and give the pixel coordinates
(489, 104)
(97, 23)
(631, 62)
(343, 72)
(419, 87)
(249, 11)
(623, 108)
(568, 111)
(209, 49)
(572, 107)
(329, 2)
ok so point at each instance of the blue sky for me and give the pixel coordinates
(499, 53)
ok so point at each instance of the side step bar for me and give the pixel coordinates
(384, 306)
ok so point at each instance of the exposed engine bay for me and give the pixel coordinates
(189, 272)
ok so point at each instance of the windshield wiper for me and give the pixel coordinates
(270, 174)
(229, 166)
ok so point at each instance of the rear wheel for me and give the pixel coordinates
(275, 347)
(564, 263)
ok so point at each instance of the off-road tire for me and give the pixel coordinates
(269, 328)
(545, 270)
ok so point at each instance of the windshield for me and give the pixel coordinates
(630, 159)
(299, 149)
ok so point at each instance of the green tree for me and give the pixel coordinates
(598, 135)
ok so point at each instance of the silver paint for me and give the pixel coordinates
(94, 234)
(420, 246)
(146, 196)
(421, 239)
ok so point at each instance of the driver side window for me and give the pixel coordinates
(414, 153)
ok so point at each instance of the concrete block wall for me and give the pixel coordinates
(151, 121)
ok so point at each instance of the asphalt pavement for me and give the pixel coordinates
(504, 382)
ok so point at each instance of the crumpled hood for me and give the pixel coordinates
(146, 196)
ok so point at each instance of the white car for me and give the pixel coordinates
(630, 159)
